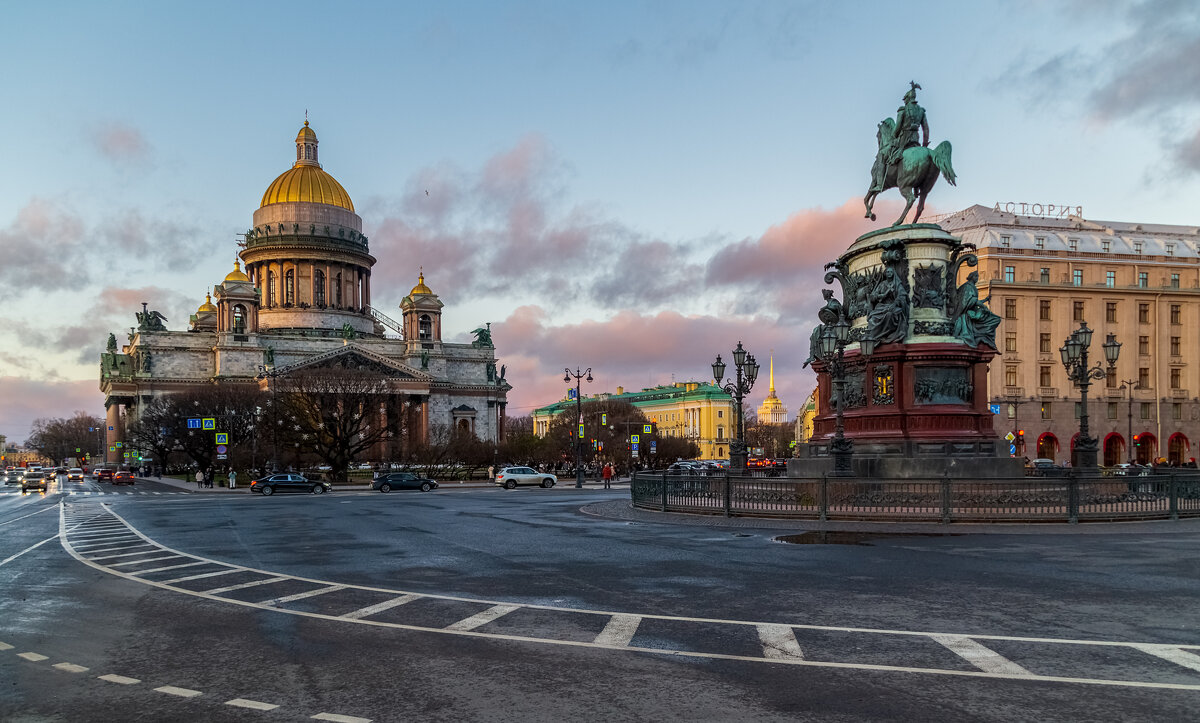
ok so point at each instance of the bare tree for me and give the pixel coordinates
(60, 438)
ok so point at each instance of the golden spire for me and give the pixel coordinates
(772, 358)
(421, 288)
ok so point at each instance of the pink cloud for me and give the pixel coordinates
(120, 142)
(24, 400)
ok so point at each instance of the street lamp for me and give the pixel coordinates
(1074, 354)
(1127, 386)
(577, 375)
(833, 341)
(746, 371)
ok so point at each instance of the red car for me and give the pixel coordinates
(122, 478)
(104, 474)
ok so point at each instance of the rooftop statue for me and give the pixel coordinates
(150, 320)
(903, 159)
(483, 337)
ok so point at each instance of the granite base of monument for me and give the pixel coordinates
(912, 459)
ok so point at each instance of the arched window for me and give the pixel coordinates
(1177, 449)
(289, 287)
(337, 291)
(425, 328)
(319, 288)
(1147, 447)
(1047, 446)
(297, 153)
(270, 288)
(464, 426)
(1114, 449)
(239, 319)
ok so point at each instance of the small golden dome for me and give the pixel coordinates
(420, 288)
(307, 184)
(236, 274)
(306, 133)
(207, 306)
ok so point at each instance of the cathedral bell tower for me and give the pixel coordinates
(422, 312)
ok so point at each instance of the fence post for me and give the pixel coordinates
(946, 498)
(823, 497)
(1173, 497)
(728, 493)
(1072, 498)
(664, 492)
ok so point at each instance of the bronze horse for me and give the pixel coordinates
(914, 175)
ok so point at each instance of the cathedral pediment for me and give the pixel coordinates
(353, 356)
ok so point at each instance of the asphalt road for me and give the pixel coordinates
(155, 604)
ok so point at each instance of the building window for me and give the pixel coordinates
(1175, 345)
(1010, 308)
(1112, 410)
(1046, 410)
(239, 319)
(337, 290)
(1045, 275)
(1110, 378)
(425, 327)
(1044, 376)
(1145, 410)
(1039, 241)
(1175, 379)
(720, 413)
(319, 288)
(1174, 281)
(1105, 245)
(1110, 279)
(1077, 311)
(1177, 410)
(1110, 312)
(1006, 242)
(1137, 247)
(1144, 377)
(1077, 277)
(1010, 376)
(1073, 243)
(1175, 314)
(1143, 279)
(1078, 407)
(720, 433)
(1044, 310)
(1012, 411)
(1010, 343)
(1170, 249)
(1144, 345)
(289, 287)
(270, 288)
(1143, 313)
(1044, 343)
(1010, 274)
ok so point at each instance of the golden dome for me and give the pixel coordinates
(236, 274)
(306, 133)
(420, 288)
(207, 306)
(307, 184)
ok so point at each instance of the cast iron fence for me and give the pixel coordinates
(1073, 498)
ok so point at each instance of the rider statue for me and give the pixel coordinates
(904, 159)
(910, 124)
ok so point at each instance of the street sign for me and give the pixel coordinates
(570, 394)
(1012, 449)
(635, 454)
(222, 437)
(209, 423)
(635, 446)
(653, 447)
(581, 430)
(995, 408)
(119, 445)
(1009, 437)
(647, 429)
(110, 428)
(633, 439)
(604, 418)
(222, 449)
(194, 423)
(220, 456)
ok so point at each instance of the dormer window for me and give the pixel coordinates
(1039, 241)
(1137, 247)
(1074, 244)
(1170, 249)
(1006, 242)
(1106, 246)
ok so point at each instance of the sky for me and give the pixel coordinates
(632, 187)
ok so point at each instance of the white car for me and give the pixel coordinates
(510, 477)
(75, 473)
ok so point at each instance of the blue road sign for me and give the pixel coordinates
(995, 408)
(635, 446)
(209, 423)
(633, 439)
(570, 394)
(194, 423)
(222, 438)
(1012, 449)
(647, 429)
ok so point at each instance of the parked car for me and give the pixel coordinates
(510, 477)
(288, 482)
(122, 477)
(103, 473)
(33, 481)
(1042, 467)
(75, 473)
(685, 467)
(402, 481)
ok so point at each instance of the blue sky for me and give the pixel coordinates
(627, 186)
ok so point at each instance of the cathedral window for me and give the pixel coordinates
(425, 327)
(239, 319)
(289, 288)
(270, 288)
(319, 288)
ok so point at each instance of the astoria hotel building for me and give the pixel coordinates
(1140, 282)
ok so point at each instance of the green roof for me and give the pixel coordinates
(646, 397)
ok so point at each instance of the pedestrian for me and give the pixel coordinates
(232, 479)
(607, 474)
(491, 473)
(199, 479)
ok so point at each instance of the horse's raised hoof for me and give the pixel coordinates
(872, 217)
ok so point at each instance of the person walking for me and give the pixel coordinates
(199, 479)
(607, 474)
(491, 474)
(232, 479)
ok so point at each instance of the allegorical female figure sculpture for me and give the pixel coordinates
(888, 321)
(974, 322)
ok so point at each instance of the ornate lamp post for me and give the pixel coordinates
(746, 371)
(1127, 386)
(834, 339)
(1074, 353)
(578, 420)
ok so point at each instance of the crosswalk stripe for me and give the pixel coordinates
(169, 567)
(779, 642)
(202, 575)
(302, 595)
(380, 607)
(619, 630)
(256, 583)
(483, 618)
(128, 554)
(148, 559)
(1172, 653)
(979, 655)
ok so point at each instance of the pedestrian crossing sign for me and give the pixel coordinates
(633, 439)
(210, 424)
(647, 429)
(222, 438)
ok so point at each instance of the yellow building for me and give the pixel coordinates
(806, 418)
(772, 410)
(699, 411)
(1140, 282)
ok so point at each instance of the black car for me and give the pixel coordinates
(33, 482)
(402, 481)
(288, 482)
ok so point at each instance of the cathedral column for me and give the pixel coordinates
(367, 289)
(423, 427)
(503, 406)
(113, 433)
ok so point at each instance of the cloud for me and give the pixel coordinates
(24, 400)
(120, 143)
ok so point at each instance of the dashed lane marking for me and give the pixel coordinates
(620, 629)
(31, 514)
(181, 692)
(251, 704)
(32, 657)
(119, 679)
(5, 646)
(70, 667)
(32, 547)
(340, 718)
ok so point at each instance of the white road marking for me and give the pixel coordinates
(169, 567)
(34, 546)
(121, 547)
(380, 607)
(340, 718)
(982, 657)
(5, 646)
(251, 704)
(619, 631)
(483, 618)
(121, 538)
(148, 559)
(127, 554)
(256, 583)
(31, 514)
(302, 595)
(32, 657)
(1172, 653)
(181, 692)
(779, 641)
(202, 575)
(70, 667)
(119, 679)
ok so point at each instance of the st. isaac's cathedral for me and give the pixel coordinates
(304, 301)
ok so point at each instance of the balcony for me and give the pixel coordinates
(1179, 394)
(1044, 392)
